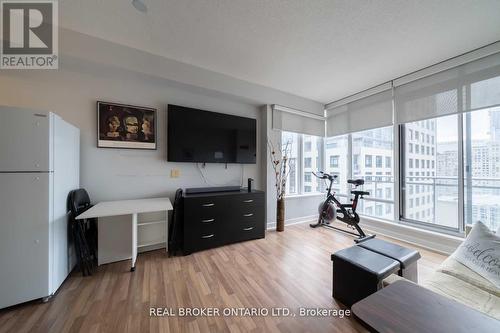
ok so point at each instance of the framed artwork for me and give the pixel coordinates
(126, 126)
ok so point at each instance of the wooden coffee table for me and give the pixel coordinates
(406, 307)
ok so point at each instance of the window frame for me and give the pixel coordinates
(406, 220)
(370, 176)
(300, 167)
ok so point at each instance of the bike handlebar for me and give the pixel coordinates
(322, 175)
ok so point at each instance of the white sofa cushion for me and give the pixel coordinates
(480, 252)
(461, 284)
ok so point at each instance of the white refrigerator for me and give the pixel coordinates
(39, 166)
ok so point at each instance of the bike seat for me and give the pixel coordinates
(356, 182)
(360, 193)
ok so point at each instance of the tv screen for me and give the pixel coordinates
(209, 137)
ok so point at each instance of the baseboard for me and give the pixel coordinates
(297, 220)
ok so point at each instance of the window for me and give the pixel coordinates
(336, 150)
(442, 210)
(307, 146)
(379, 143)
(307, 177)
(368, 161)
(482, 166)
(355, 162)
(308, 149)
(334, 161)
(312, 161)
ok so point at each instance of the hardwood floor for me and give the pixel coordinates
(290, 269)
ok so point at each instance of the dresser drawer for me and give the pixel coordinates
(204, 208)
(245, 230)
(250, 217)
(247, 215)
(202, 241)
(244, 202)
(206, 228)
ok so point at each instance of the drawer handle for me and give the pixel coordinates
(207, 220)
(249, 200)
(248, 229)
(208, 205)
(208, 236)
(248, 215)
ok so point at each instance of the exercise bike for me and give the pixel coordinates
(332, 208)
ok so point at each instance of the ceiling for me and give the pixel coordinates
(323, 50)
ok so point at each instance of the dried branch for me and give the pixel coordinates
(281, 166)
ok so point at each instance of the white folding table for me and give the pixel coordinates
(129, 207)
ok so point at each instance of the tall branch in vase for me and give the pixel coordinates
(281, 166)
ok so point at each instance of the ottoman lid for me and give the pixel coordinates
(402, 254)
(371, 262)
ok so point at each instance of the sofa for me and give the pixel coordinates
(454, 280)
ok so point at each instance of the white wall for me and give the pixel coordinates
(110, 174)
(113, 174)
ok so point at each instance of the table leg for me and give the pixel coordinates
(166, 231)
(134, 241)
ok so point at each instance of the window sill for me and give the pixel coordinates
(304, 195)
(435, 241)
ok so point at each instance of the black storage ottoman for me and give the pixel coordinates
(358, 273)
(407, 258)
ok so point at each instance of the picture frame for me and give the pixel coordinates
(126, 126)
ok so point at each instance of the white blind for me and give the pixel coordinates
(289, 120)
(366, 113)
(464, 88)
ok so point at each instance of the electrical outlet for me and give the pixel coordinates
(175, 173)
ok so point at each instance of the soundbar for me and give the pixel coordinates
(195, 190)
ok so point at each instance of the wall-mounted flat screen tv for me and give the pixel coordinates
(209, 137)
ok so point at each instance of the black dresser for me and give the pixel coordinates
(219, 218)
